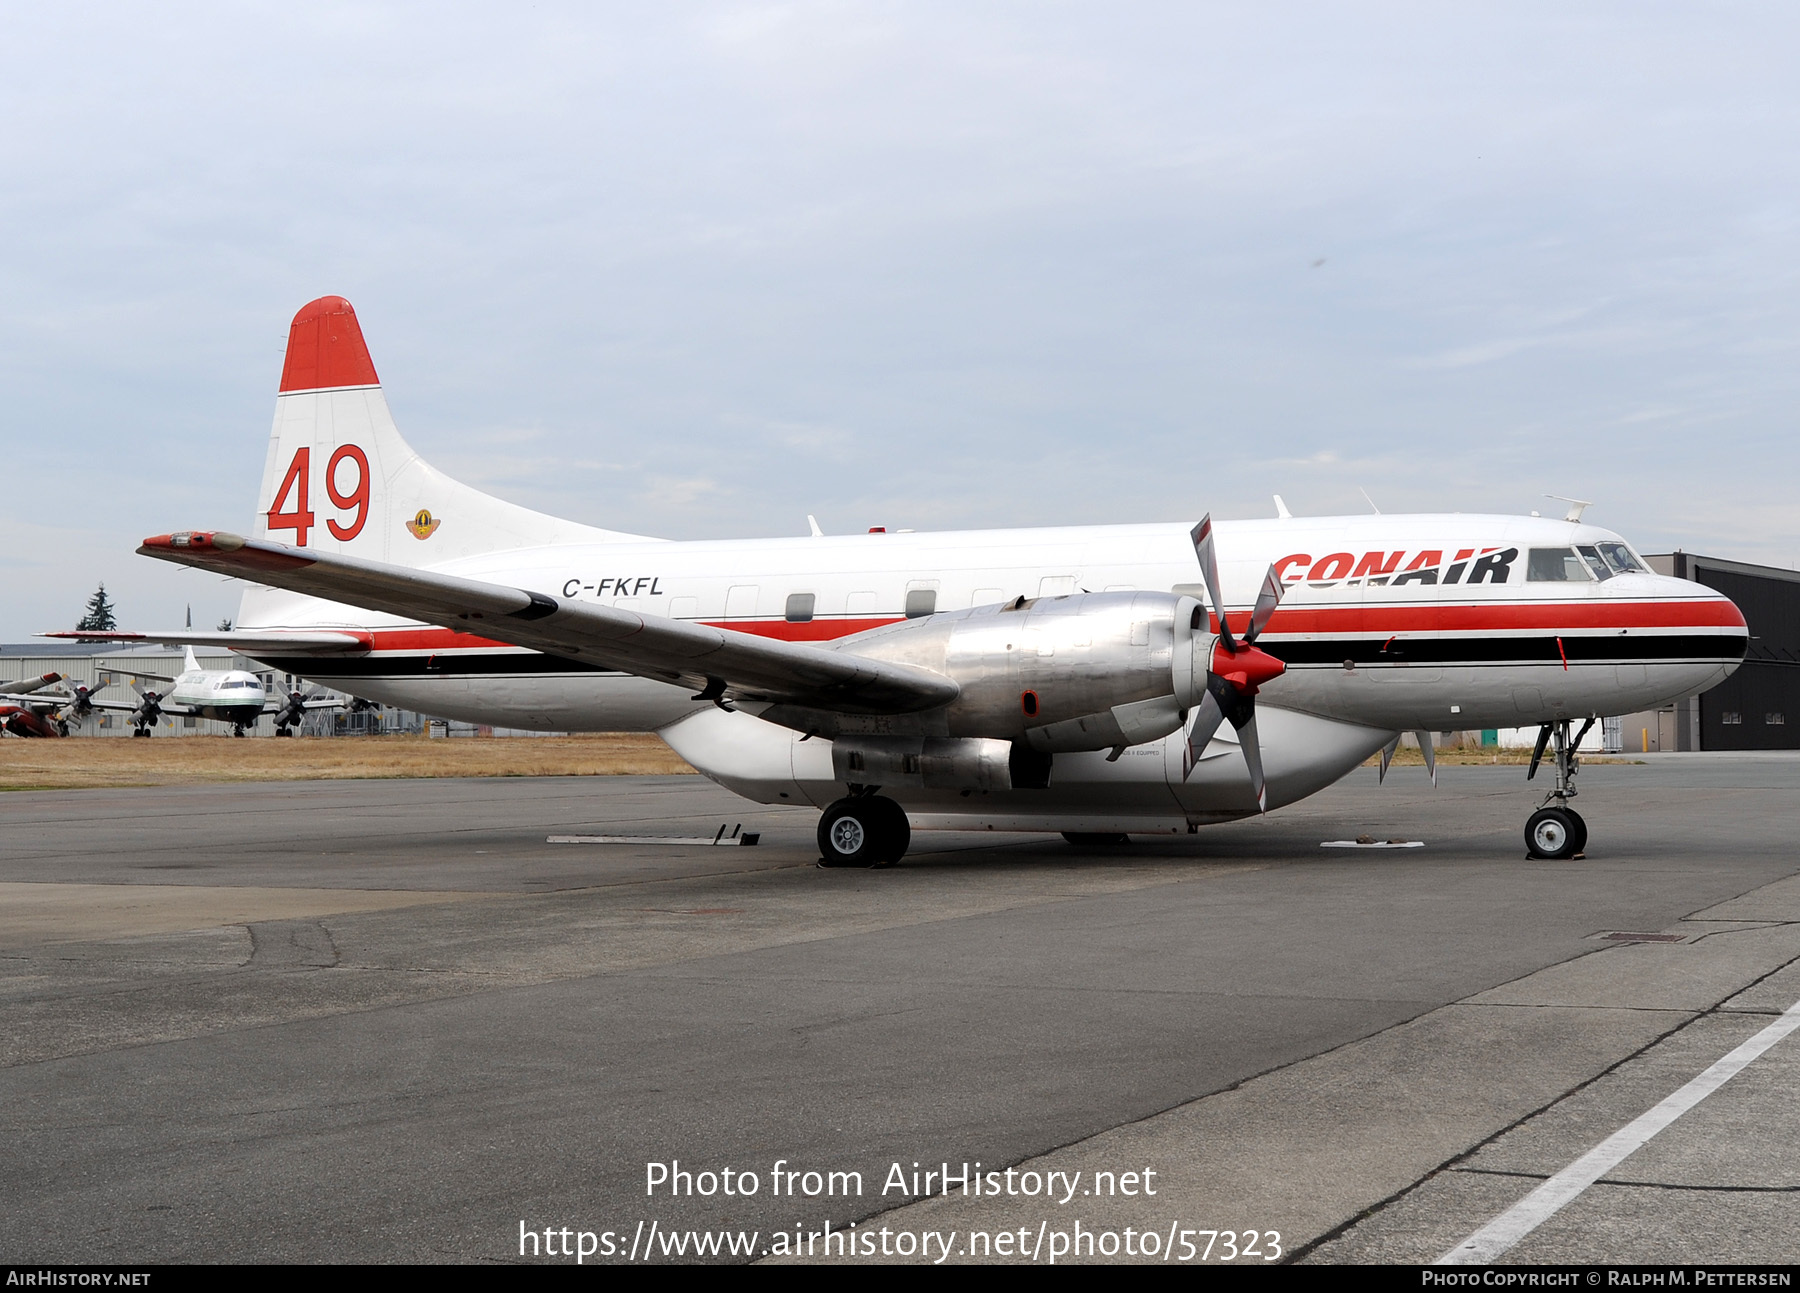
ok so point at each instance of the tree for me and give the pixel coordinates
(99, 617)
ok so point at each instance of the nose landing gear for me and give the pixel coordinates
(1556, 831)
(863, 830)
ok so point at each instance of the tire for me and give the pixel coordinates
(1581, 834)
(1552, 833)
(1096, 839)
(896, 831)
(868, 832)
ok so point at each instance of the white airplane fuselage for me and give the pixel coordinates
(1389, 623)
(225, 696)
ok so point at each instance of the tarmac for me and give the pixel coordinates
(387, 1021)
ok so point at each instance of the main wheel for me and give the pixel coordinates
(1096, 837)
(1554, 833)
(870, 831)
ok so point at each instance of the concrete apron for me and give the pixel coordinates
(1397, 1147)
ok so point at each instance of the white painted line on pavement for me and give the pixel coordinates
(1562, 1189)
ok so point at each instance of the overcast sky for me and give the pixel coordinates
(698, 270)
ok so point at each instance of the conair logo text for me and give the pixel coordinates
(1488, 566)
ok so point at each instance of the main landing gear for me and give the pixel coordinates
(1555, 830)
(863, 830)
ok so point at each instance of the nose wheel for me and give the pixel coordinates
(1555, 831)
(865, 830)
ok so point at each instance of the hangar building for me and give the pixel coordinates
(1752, 709)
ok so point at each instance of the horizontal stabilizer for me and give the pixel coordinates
(711, 660)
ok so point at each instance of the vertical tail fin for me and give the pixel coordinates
(340, 478)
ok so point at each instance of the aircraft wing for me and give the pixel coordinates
(249, 642)
(128, 706)
(23, 685)
(650, 646)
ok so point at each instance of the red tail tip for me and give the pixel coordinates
(326, 349)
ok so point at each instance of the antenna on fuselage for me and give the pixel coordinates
(813, 525)
(1370, 501)
(1576, 506)
(1281, 509)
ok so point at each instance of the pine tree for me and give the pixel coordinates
(99, 617)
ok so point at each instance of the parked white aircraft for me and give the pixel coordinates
(1068, 679)
(232, 696)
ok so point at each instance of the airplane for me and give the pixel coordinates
(232, 696)
(36, 716)
(1098, 681)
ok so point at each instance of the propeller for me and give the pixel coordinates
(1237, 668)
(81, 698)
(146, 714)
(1425, 749)
(291, 712)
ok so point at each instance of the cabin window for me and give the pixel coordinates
(800, 607)
(921, 602)
(1556, 566)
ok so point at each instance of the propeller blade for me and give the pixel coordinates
(1430, 755)
(1266, 602)
(1207, 717)
(1387, 757)
(1209, 569)
(1253, 759)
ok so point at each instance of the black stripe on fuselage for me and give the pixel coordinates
(1647, 648)
(442, 664)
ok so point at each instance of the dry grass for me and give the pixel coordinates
(80, 763)
(1409, 756)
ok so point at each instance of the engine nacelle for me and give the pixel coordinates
(1087, 671)
(939, 762)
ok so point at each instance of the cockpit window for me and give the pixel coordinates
(1622, 559)
(1595, 562)
(1557, 566)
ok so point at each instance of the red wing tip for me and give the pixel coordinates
(194, 540)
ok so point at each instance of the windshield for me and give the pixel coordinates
(1622, 559)
(1595, 562)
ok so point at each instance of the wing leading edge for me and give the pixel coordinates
(712, 660)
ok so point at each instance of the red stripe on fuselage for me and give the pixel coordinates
(1334, 621)
(438, 639)
(1560, 617)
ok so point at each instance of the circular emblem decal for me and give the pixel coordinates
(423, 524)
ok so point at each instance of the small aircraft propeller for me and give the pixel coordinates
(1425, 748)
(81, 698)
(1237, 668)
(147, 714)
(294, 709)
